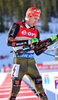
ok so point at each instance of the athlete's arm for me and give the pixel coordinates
(37, 52)
(11, 41)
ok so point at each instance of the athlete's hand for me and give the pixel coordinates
(34, 40)
(53, 37)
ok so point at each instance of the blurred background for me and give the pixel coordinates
(13, 11)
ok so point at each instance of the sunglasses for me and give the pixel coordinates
(37, 10)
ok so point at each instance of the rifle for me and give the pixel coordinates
(42, 45)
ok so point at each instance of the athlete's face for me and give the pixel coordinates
(32, 20)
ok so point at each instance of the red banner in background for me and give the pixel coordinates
(40, 67)
(47, 66)
(7, 69)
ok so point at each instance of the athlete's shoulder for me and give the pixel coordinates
(16, 23)
(20, 24)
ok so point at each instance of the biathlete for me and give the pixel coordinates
(24, 33)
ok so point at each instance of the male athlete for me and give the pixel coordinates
(24, 33)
